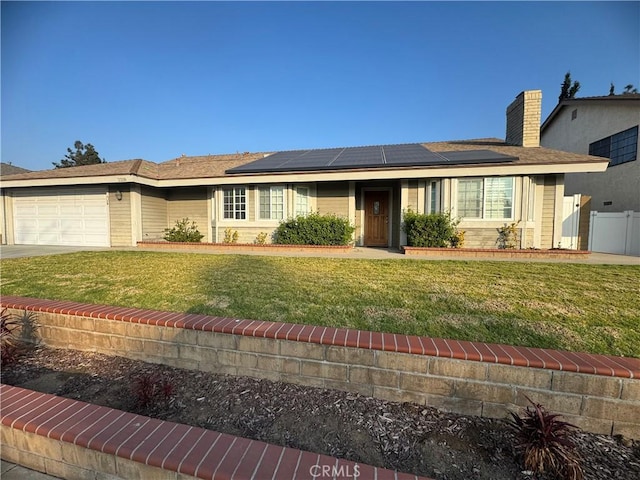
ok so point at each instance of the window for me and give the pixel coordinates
(470, 198)
(235, 203)
(433, 197)
(488, 198)
(271, 203)
(302, 200)
(619, 148)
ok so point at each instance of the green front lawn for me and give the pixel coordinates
(593, 308)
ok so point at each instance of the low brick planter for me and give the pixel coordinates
(599, 393)
(77, 440)
(495, 253)
(246, 247)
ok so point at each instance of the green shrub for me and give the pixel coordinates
(432, 230)
(314, 229)
(261, 238)
(508, 236)
(230, 235)
(183, 231)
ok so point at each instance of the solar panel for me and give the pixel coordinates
(378, 156)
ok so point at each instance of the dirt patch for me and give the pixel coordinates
(402, 436)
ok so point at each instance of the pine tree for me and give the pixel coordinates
(83, 155)
(568, 89)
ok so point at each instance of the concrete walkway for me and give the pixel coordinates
(18, 251)
(11, 471)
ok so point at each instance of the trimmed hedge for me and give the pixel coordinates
(314, 229)
(431, 230)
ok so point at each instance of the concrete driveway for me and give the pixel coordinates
(17, 251)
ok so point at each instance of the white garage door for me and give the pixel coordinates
(61, 217)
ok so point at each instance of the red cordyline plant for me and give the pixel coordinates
(543, 442)
(9, 348)
(152, 391)
(8, 328)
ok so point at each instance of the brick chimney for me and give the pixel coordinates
(523, 119)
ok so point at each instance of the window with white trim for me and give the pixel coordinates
(433, 202)
(235, 203)
(488, 198)
(302, 201)
(271, 203)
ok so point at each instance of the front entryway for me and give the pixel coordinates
(376, 219)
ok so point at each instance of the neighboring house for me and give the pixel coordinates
(606, 127)
(487, 182)
(8, 169)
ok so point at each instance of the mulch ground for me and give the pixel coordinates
(402, 436)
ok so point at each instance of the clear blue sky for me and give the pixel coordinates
(155, 80)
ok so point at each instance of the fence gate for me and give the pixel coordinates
(570, 222)
(617, 232)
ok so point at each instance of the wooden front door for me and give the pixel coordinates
(376, 219)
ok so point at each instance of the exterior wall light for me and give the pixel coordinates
(118, 195)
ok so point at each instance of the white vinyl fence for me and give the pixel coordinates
(617, 232)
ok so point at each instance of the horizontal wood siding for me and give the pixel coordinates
(188, 203)
(412, 197)
(333, 197)
(120, 218)
(480, 237)
(548, 211)
(249, 234)
(154, 213)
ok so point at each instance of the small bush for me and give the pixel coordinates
(9, 328)
(183, 231)
(314, 229)
(544, 444)
(18, 333)
(508, 236)
(152, 392)
(432, 230)
(230, 236)
(261, 239)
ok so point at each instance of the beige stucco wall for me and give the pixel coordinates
(620, 184)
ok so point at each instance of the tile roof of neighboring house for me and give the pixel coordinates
(8, 169)
(622, 98)
(212, 166)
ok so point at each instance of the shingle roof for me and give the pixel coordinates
(142, 168)
(206, 166)
(212, 166)
(526, 155)
(8, 169)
